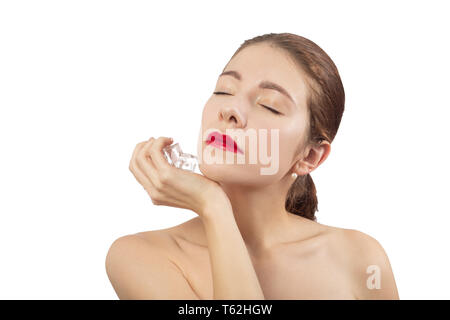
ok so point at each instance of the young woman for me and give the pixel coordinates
(256, 235)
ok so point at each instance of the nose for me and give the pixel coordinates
(233, 116)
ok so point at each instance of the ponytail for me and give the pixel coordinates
(301, 198)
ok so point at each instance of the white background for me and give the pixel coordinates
(82, 82)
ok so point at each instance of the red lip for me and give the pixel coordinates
(218, 139)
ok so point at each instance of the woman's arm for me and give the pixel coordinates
(233, 274)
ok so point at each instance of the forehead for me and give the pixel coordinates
(263, 62)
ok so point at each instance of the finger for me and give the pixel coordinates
(137, 172)
(137, 148)
(145, 162)
(156, 153)
(142, 178)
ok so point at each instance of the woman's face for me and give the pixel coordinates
(241, 112)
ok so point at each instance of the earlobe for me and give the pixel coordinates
(299, 169)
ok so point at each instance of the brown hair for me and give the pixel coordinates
(325, 103)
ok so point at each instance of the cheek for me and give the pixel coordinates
(210, 106)
(289, 141)
(209, 115)
(282, 136)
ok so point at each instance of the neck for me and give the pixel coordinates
(260, 214)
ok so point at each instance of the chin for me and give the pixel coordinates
(243, 175)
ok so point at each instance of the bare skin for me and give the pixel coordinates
(324, 263)
(295, 270)
(244, 244)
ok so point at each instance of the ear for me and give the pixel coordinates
(312, 158)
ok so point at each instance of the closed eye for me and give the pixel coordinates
(273, 110)
(268, 108)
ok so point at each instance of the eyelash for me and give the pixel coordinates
(268, 108)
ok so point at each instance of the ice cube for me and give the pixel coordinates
(172, 153)
(179, 159)
(187, 162)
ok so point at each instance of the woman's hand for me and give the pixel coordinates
(171, 186)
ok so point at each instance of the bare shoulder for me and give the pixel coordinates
(367, 263)
(160, 241)
(144, 266)
(191, 230)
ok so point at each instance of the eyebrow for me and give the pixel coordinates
(263, 84)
